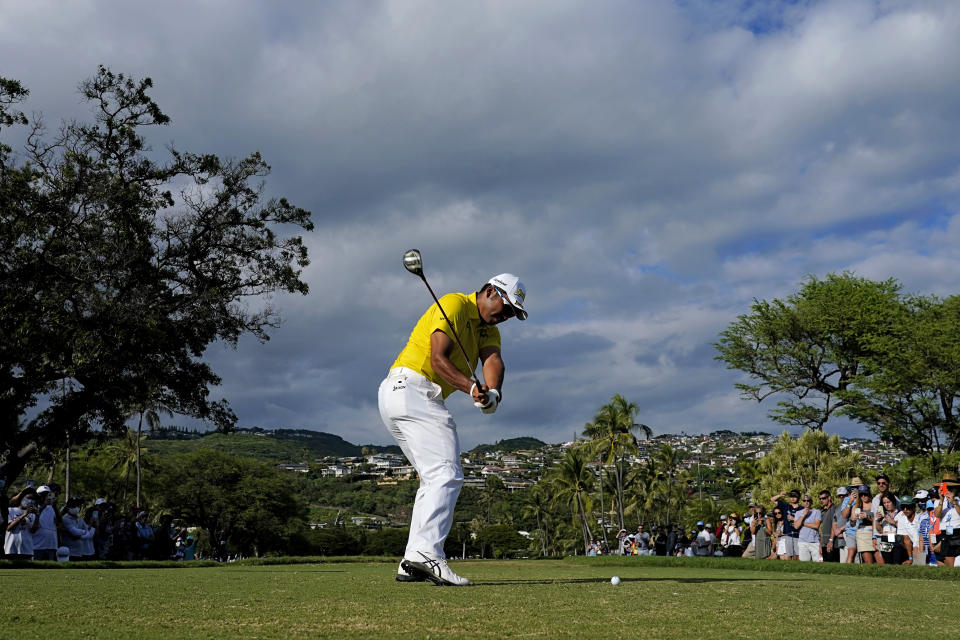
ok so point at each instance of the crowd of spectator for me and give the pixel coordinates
(853, 524)
(38, 530)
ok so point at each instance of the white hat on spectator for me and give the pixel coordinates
(99, 501)
(922, 494)
(842, 491)
(43, 489)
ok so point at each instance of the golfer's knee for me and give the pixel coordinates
(447, 475)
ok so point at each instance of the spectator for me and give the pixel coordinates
(927, 537)
(851, 502)
(190, 550)
(145, 535)
(643, 540)
(841, 517)
(731, 539)
(885, 527)
(908, 533)
(947, 511)
(862, 517)
(790, 531)
(45, 528)
(21, 518)
(660, 541)
(883, 485)
(776, 537)
(164, 539)
(672, 537)
(747, 537)
(622, 541)
(761, 529)
(77, 534)
(591, 550)
(828, 544)
(703, 545)
(807, 522)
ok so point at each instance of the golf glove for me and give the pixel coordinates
(493, 401)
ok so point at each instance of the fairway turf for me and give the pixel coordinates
(508, 599)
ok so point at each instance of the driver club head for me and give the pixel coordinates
(412, 262)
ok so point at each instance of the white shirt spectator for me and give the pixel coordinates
(907, 528)
(19, 541)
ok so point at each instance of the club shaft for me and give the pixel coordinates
(466, 359)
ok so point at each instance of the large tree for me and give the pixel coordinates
(809, 348)
(119, 266)
(910, 392)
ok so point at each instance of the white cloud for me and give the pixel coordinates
(647, 168)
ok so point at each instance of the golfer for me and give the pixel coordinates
(411, 400)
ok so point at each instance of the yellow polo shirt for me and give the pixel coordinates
(463, 313)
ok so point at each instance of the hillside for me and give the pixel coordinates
(510, 444)
(281, 445)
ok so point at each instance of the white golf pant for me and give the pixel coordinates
(413, 411)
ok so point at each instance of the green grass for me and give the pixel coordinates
(537, 598)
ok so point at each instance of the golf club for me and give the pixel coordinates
(413, 263)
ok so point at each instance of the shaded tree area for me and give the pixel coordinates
(119, 266)
(851, 346)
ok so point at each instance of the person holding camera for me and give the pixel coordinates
(21, 523)
(948, 510)
(77, 534)
(761, 529)
(862, 517)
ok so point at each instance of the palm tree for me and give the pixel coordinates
(148, 411)
(667, 460)
(571, 483)
(537, 506)
(125, 454)
(611, 435)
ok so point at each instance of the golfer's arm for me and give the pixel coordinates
(493, 368)
(441, 346)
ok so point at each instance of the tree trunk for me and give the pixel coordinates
(603, 516)
(617, 469)
(139, 430)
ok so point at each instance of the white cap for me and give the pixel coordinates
(99, 501)
(43, 489)
(922, 494)
(515, 291)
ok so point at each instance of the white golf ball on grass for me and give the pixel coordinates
(615, 580)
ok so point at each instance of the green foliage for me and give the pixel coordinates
(509, 445)
(503, 540)
(119, 270)
(811, 463)
(808, 348)
(612, 437)
(910, 392)
(243, 501)
(851, 346)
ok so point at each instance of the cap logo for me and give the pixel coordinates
(519, 294)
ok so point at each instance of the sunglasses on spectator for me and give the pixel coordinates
(806, 500)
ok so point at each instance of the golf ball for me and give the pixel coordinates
(615, 580)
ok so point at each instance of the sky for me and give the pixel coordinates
(648, 169)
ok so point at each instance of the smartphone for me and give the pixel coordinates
(943, 488)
